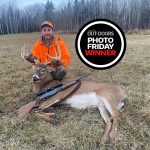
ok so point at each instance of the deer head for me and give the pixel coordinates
(42, 72)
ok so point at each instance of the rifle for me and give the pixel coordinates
(34, 104)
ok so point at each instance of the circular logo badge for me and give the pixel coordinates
(100, 44)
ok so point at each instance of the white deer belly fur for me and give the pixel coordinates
(89, 100)
(83, 101)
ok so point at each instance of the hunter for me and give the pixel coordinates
(51, 48)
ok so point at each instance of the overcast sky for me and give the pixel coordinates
(23, 3)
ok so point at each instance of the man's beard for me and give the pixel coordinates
(47, 39)
(48, 36)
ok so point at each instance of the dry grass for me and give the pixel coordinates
(139, 31)
(74, 129)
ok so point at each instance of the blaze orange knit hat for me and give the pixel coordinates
(47, 23)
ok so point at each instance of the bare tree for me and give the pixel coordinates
(127, 14)
(145, 15)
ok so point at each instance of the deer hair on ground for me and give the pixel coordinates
(108, 98)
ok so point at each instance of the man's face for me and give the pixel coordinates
(47, 32)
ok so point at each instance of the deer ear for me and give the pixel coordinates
(51, 69)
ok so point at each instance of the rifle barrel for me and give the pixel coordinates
(74, 81)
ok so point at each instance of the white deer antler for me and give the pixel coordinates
(57, 55)
(25, 54)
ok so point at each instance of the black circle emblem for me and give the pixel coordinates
(100, 44)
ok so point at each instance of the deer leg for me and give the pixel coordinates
(113, 131)
(46, 116)
(115, 118)
(113, 111)
(106, 116)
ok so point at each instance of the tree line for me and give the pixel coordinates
(128, 14)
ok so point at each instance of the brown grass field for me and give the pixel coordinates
(74, 129)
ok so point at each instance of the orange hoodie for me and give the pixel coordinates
(40, 50)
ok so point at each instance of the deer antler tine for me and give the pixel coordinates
(50, 56)
(55, 53)
(36, 61)
(59, 51)
(46, 60)
(25, 54)
(22, 53)
(47, 63)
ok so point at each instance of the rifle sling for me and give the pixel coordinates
(73, 91)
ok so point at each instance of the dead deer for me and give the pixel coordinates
(108, 98)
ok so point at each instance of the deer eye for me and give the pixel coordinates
(42, 71)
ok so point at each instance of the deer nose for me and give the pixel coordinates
(35, 78)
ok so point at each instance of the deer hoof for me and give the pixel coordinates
(103, 140)
(48, 117)
(112, 136)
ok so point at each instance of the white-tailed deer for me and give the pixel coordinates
(108, 98)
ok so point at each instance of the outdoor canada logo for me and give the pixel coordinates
(100, 44)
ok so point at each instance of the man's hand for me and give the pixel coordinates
(56, 62)
(59, 73)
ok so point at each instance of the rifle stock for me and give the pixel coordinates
(26, 109)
